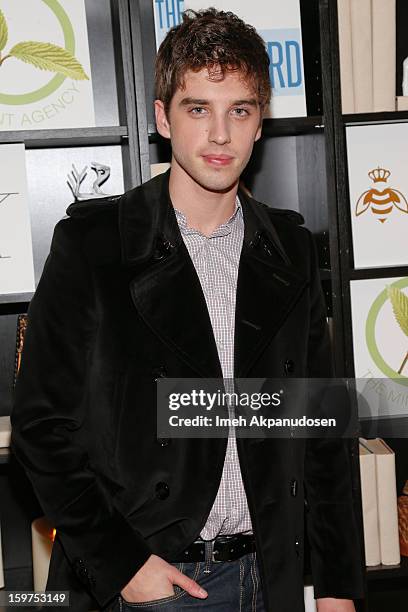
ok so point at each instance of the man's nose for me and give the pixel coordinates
(219, 131)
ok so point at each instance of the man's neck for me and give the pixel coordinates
(204, 210)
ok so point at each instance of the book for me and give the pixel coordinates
(402, 103)
(378, 188)
(386, 500)
(362, 54)
(16, 253)
(46, 78)
(279, 24)
(384, 59)
(370, 507)
(310, 602)
(346, 56)
(156, 169)
(5, 431)
(380, 348)
(1, 565)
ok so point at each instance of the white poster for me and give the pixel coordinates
(380, 342)
(377, 166)
(16, 253)
(279, 25)
(45, 71)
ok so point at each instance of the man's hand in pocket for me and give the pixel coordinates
(155, 580)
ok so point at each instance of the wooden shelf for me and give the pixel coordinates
(373, 118)
(70, 137)
(15, 298)
(291, 126)
(389, 271)
(381, 572)
(391, 427)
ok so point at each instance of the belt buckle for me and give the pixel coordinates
(213, 554)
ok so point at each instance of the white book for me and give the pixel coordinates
(402, 103)
(1, 565)
(384, 60)
(5, 431)
(279, 24)
(16, 253)
(156, 169)
(51, 97)
(369, 503)
(362, 52)
(346, 56)
(386, 500)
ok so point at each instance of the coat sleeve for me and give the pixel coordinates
(332, 526)
(48, 422)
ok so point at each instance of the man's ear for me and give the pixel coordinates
(162, 123)
(258, 132)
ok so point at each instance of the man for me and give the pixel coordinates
(183, 277)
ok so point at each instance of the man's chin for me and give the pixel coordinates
(217, 184)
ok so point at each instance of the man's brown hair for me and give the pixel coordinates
(217, 40)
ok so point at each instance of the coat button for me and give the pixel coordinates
(289, 366)
(293, 487)
(162, 490)
(163, 441)
(297, 547)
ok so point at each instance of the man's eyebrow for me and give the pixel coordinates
(202, 102)
(197, 101)
(249, 101)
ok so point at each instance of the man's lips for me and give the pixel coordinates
(218, 160)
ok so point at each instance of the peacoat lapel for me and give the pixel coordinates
(167, 293)
(268, 286)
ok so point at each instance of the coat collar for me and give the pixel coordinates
(147, 218)
(167, 292)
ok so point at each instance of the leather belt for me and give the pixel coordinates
(226, 548)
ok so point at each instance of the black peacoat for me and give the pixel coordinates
(118, 306)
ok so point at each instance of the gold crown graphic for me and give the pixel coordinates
(379, 174)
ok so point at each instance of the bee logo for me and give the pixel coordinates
(381, 201)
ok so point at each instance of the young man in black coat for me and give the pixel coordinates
(184, 277)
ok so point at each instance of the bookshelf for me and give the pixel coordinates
(387, 587)
(49, 154)
(291, 152)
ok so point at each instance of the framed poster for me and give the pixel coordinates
(279, 24)
(16, 253)
(377, 158)
(45, 72)
(380, 342)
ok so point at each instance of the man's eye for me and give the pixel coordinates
(241, 112)
(197, 110)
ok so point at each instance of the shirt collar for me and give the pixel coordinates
(221, 230)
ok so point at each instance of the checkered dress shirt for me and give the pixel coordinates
(216, 260)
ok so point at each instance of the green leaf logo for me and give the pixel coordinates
(46, 56)
(399, 303)
(3, 31)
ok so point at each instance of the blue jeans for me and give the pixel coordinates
(232, 586)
